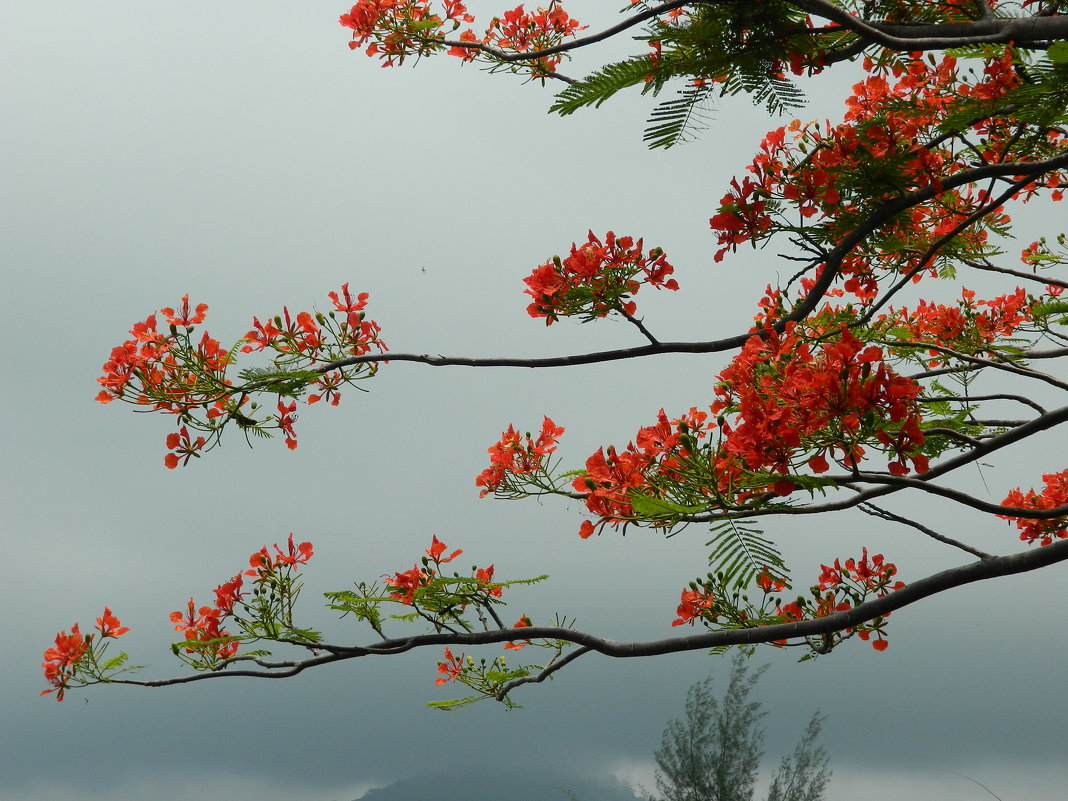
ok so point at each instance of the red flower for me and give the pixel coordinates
(351, 308)
(451, 669)
(769, 583)
(261, 336)
(692, 605)
(184, 447)
(195, 621)
(298, 556)
(61, 661)
(437, 548)
(287, 415)
(485, 575)
(329, 384)
(262, 561)
(522, 623)
(109, 626)
(879, 643)
(226, 595)
(184, 318)
(204, 625)
(405, 584)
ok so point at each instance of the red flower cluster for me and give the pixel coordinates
(596, 279)
(888, 144)
(305, 334)
(204, 624)
(396, 29)
(523, 31)
(873, 574)
(177, 374)
(841, 587)
(656, 458)
(146, 370)
(515, 456)
(969, 326)
(742, 214)
(793, 403)
(62, 663)
(1054, 495)
(403, 586)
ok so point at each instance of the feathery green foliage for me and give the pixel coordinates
(739, 553)
(729, 48)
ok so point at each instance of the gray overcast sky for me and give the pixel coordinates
(239, 152)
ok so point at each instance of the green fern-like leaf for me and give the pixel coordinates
(779, 95)
(677, 120)
(739, 553)
(600, 86)
(448, 706)
(649, 506)
(284, 382)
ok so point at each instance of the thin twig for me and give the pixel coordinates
(876, 511)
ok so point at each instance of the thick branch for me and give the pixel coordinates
(982, 570)
(1022, 31)
(1035, 31)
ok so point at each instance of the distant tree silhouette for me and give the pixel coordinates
(714, 753)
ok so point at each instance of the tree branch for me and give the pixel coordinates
(887, 487)
(883, 514)
(1035, 31)
(978, 361)
(982, 570)
(574, 44)
(833, 261)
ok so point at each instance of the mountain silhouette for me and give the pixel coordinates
(523, 784)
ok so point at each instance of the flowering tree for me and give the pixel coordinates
(837, 397)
